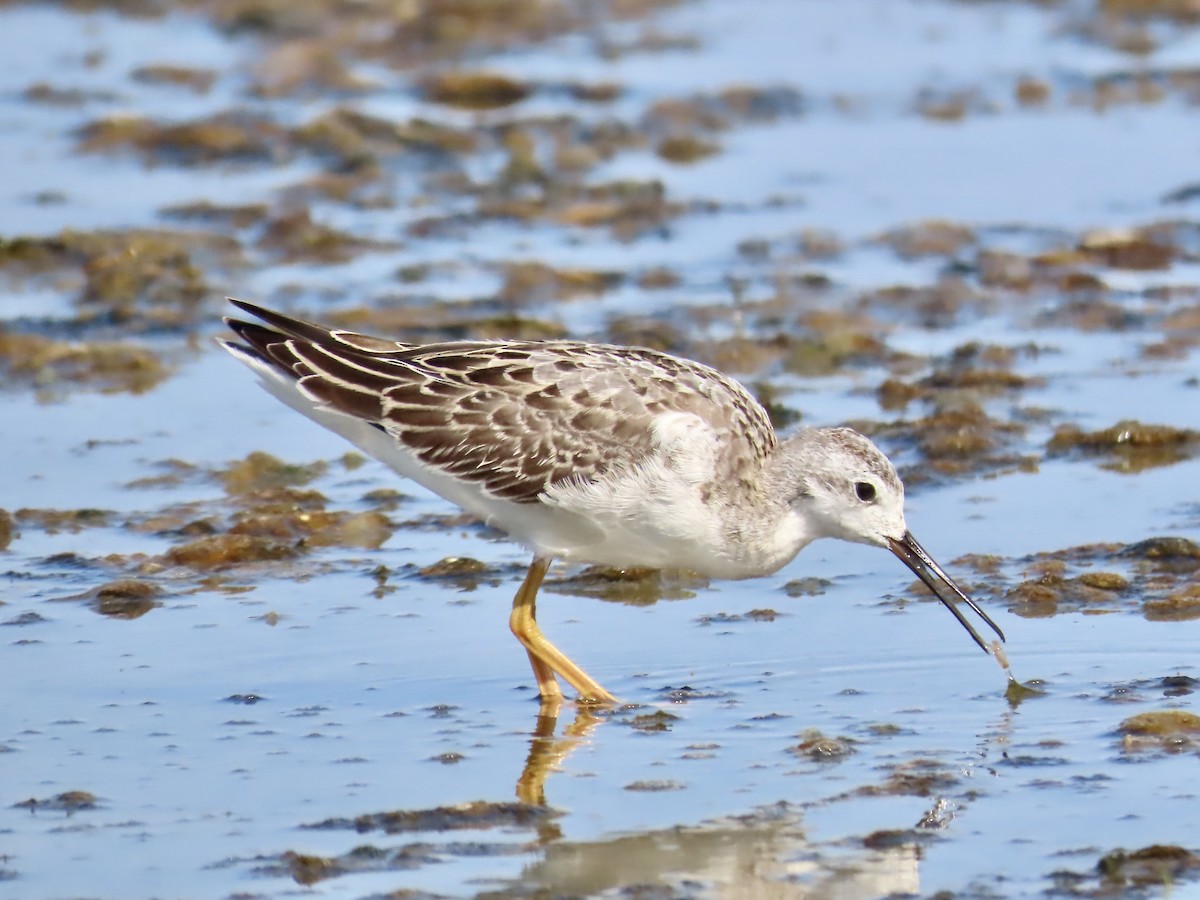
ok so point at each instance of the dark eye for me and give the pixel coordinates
(865, 491)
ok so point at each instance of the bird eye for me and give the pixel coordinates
(865, 491)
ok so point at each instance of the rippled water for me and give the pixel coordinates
(216, 730)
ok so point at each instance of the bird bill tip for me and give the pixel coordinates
(913, 555)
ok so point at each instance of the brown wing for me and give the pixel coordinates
(516, 417)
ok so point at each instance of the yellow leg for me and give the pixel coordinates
(546, 659)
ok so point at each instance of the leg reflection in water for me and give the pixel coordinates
(546, 752)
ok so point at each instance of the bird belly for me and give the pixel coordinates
(652, 516)
(649, 536)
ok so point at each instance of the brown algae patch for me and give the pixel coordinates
(930, 238)
(807, 587)
(723, 618)
(232, 137)
(914, 778)
(830, 348)
(227, 215)
(657, 785)
(54, 368)
(957, 438)
(267, 516)
(982, 368)
(971, 373)
(7, 529)
(892, 839)
(958, 435)
(141, 271)
(951, 106)
(1050, 594)
(1169, 731)
(535, 282)
(317, 528)
(1163, 556)
(68, 802)
(305, 67)
(1148, 871)
(197, 80)
(628, 208)
(1032, 92)
(821, 748)
(1017, 692)
(295, 237)
(309, 869)
(1129, 446)
(347, 139)
(475, 90)
(455, 567)
(1104, 581)
(224, 550)
(306, 868)
(686, 149)
(1153, 577)
(42, 92)
(462, 572)
(126, 598)
(1179, 606)
(634, 587)
(72, 521)
(1128, 249)
(1166, 722)
(655, 722)
(1155, 866)
(261, 472)
(1138, 691)
(154, 277)
(478, 814)
(366, 531)
(694, 117)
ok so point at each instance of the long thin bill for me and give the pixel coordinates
(914, 556)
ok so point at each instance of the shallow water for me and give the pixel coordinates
(853, 744)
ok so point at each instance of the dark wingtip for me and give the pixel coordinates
(244, 329)
(253, 333)
(253, 309)
(287, 325)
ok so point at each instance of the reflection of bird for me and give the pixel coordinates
(763, 855)
(592, 453)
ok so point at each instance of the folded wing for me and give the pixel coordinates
(515, 417)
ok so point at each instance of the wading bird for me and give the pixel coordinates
(595, 454)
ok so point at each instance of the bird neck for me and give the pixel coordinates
(766, 528)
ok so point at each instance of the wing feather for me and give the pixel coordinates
(514, 417)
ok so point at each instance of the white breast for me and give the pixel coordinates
(658, 512)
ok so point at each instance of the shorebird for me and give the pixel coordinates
(593, 453)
